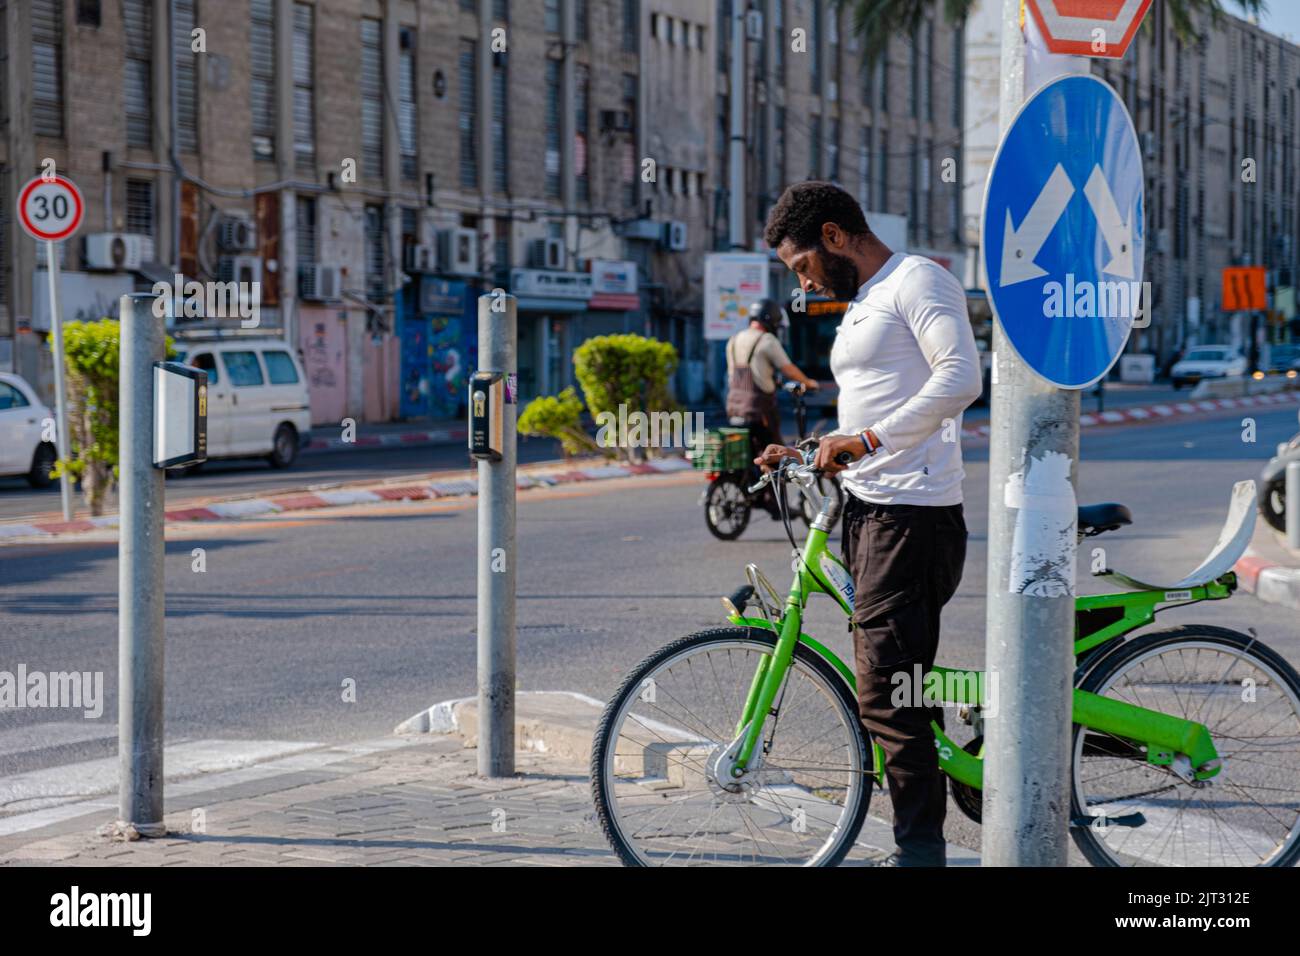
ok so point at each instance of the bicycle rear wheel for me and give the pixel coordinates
(654, 759)
(726, 507)
(1147, 815)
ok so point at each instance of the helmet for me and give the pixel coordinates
(768, 313)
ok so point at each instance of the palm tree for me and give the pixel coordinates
(875, 21)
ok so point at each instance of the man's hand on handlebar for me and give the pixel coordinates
(832, 447)
(773, 455)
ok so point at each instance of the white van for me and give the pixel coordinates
(257, 398)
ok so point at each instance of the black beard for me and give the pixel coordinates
(841, 276)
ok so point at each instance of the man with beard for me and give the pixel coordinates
(905, 361)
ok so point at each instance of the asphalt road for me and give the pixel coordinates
(262, 643)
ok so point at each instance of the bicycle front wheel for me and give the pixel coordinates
(660, 794)
(1148, 815)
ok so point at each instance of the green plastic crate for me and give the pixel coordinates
(722, 449)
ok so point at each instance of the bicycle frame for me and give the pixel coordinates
(1161, 736)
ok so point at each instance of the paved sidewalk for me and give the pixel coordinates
(1269, 569)
(411, 800)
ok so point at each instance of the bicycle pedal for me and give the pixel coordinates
(1130, 820)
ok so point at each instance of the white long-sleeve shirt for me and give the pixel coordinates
(905, 362)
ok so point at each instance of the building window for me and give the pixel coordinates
(408, 123)
(501, 10)
(631, 25)
(304, 98)
(47, 67)
(833, 152)
(864, 170)
(500, 121)
(724, 34)
(927, 72)
(410, 229)
(305, 231)
(927, 228)
(137, 89)
(187, 87)
(139, 207)
(262, 78)
(815, 48)
(467, 70)
(629, 144)
(582, 109)
(882, 80)
(551, 16)
(88, 13)
(815, 147)
(374, 251)
(778, 144)
(552, 158)
(372, 98)
(581, 16)
(779, 39)
(882, 171)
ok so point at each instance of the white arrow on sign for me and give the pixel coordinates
(1117, 233)
(1019, 246)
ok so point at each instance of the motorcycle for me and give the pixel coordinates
(1272, 485)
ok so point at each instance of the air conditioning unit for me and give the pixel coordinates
(236, 234)
(616, 121)
(317, 283)
(117, 251)
(546, 254)
(675, 235)
(421, 258)
(458, 251)
(242, 269)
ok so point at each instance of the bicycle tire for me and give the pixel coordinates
(1111, 663)
(738, 507)
(600, 758)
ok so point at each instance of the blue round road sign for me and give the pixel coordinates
(1063, 231)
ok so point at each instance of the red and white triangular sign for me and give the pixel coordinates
(1101, 28)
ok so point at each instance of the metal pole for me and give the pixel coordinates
(1293, 505)
(140, 575)
(1032, 520)
(736, 154)
(496, 553)
(60, 406)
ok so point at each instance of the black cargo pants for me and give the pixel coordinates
(906, 562)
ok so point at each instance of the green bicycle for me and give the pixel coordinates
(742, 745)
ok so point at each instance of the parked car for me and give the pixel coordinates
(22, 423)
(1207, 361)
(258, 404)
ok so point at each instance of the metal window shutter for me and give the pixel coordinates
(47, 67)
(408, 118)
(468, 115)
(187, 92)
(500, 117)
(552, 158)
(305, 231)
(372, 98)
(304, 113)
(137, 83)
(262, 74)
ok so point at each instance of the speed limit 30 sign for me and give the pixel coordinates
(50, 208)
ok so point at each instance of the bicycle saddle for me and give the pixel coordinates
(1094, 519)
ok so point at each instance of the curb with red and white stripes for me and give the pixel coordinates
(1147, 413)
(1268, 580)
(339, 497)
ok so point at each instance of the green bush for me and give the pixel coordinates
(91, 362)
(629, 370)
(558, 416)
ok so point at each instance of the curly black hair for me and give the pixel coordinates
(803, 208)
